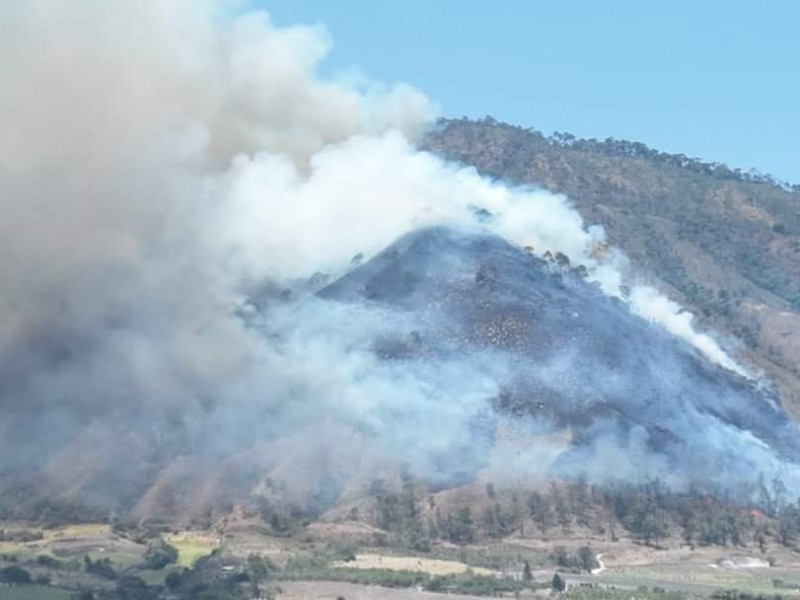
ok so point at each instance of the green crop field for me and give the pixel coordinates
(191, 547)
(33, 592)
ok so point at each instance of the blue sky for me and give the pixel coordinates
(717, 80)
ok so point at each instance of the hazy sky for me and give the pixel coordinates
(713, 79)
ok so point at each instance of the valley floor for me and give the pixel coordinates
(308, 590)
(319, 561)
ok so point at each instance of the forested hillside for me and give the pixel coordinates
(723, 242)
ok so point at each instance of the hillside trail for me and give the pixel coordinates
(601, 567)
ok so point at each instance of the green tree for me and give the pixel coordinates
(15, 575)
(102, 568)
(558, 585)
(258, 569)
(527, 574)
(159, 554)
(133, 588)
(655, 526)
(173, 581)
(539, 510)
(586, 558)
(788, 524)
(461, 528)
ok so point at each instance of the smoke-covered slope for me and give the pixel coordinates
(565, 355)
(194, 157)
(418, 360)
(722, 242)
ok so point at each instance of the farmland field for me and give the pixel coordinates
(192, 546)
(33, 592)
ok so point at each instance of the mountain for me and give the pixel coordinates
(566, 356)
(453, 354)
(433, 354)
(723, 243)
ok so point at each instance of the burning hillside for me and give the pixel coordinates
(167, 221)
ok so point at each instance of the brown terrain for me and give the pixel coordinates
(723, 243)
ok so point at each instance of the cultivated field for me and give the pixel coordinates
(414, 564)
(330, 590)
(323, 560)
(192, 546)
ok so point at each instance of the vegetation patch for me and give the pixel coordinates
(476, 585)
(642, 593)
(191, 546)
(34, 592)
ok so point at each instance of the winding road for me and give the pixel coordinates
(601, 568)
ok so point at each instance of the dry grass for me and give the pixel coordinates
(83, 530)
(18, 550)
(411, 563)
(754, 580)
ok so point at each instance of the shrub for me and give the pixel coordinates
(173, 581)
(49, 561)
(559, 585)
(159, 554)
(102, 568)
(15, 575)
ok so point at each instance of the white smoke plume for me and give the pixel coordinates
(160, 160)
(650, 304)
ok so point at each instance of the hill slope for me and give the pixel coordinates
(422, 361)
(723, 243)
(564, 355)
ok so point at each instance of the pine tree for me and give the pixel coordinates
(527, 574)
(559, 585)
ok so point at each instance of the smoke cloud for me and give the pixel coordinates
(166, 171)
